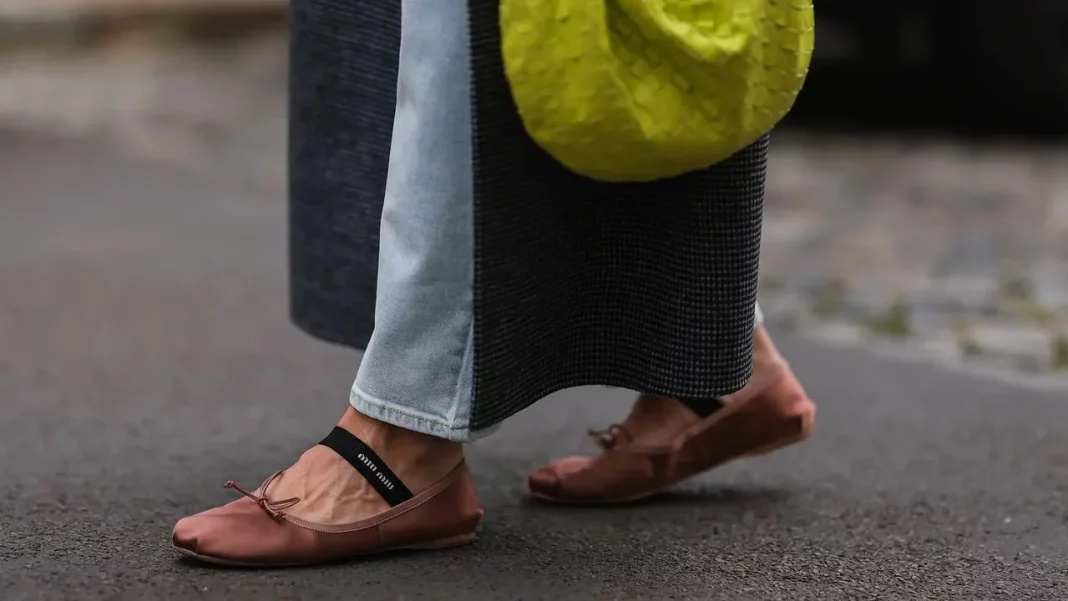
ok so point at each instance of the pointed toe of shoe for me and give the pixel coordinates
(222, 535)
(543, 481)
(189, 534)
(552, 483)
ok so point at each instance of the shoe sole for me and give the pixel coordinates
(796, 429)
(443, 543)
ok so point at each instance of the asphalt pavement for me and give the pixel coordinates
(146, 358)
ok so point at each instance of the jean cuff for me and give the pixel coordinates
(403, 417)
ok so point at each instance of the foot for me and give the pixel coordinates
(368, 487)
(663, 441)
(332, 492)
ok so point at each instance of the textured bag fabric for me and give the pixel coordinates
(636, 90)
(644, 286)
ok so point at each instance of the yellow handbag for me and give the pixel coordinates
(637, 90)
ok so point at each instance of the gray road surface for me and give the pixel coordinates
(145, 358)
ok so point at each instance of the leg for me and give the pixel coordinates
(399, 445)
(641, 454)
(416, 371)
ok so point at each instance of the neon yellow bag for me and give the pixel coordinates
(636, 90)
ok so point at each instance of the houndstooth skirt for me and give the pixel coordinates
(646, 286)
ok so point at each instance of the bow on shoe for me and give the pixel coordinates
(610, 436)
(274, 509)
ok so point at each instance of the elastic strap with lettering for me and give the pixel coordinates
(369, 464)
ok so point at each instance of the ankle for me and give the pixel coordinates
(390, 439)
(766, 357)
(768, 367)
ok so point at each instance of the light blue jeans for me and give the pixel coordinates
(417, 369)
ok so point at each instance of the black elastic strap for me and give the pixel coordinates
(703, 407)
(369, 464)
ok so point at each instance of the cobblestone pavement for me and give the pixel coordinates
(37, 13)
(945, 250)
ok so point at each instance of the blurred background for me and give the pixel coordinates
(918, 196)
